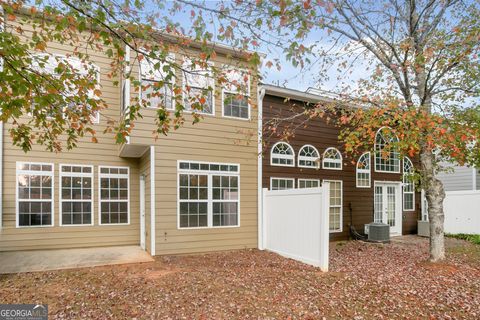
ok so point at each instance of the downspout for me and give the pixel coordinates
(474, 178)
(1, 133)
(261, 95)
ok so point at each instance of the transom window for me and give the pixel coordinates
(308, 157)
(198, 88)
(157, 85)
(34, 194)
(282, 155)
(114, 195)
(236, 93)
(308, 183)
(332, 159)
(336, 205)
(76, 195)
(364, 171)
(282, 183)
(208, 195)
(408, 185)
(387, 159)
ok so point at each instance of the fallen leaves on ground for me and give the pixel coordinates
(366, 281)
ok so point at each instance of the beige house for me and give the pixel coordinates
(195, 190)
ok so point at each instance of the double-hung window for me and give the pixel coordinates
(198, 86)
(156, 84)
(336, 205)
(76, 195)
(208, 194)
(363, 171)
(114, 195)
(236, 94)
(34, 194)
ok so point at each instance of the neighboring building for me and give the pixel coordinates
(195, 190)
(372, 189)
(460, 178)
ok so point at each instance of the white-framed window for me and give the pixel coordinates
(387, 159)
(198, 88)
(76, 195)
(336, 205)
(34, 194)
(408, 185)
(236, 93)
(364, 171)
(308, 183)
(282, 183)
(332, 159)
(208, 195)
(114, 195)
(156, 84)
(308, 157)
(282, 155)
(48, 63)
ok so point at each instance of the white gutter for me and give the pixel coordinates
(152, 200)
(261, 95)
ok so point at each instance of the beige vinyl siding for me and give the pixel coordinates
(103, 153)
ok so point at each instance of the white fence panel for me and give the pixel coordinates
(296, 224)
(462, 212)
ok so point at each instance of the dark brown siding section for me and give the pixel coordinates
(323, 135)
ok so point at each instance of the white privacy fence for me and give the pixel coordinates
(462, 212)
(295, 224)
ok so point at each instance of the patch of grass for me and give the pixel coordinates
(473, 238)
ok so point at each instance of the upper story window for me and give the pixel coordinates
(198, 86)
(332, 159)
(282, 155)
(157, 85)
(34, 194)
(236, 94)
(364, 171)
(50, 64)
(308, 157)
(387, 159)
(408, 185)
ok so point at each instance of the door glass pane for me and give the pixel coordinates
(378, 204)
(391, 206)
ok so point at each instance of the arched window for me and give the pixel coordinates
(408, 185)
(363, 171)
(387, 159)
(332, 159)
(308, 157)
(282, 155)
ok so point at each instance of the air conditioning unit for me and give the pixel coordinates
(378, 232)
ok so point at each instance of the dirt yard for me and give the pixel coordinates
(367, 281)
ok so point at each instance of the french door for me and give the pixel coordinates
(388, 206)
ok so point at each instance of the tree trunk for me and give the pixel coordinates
(435, 195)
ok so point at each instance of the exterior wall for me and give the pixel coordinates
(322, 136)
(460, 179)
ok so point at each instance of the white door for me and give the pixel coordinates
(142, 212)
(388, 206)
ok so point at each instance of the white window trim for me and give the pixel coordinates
(282, 156)
(108, 175)
(362, 170)
(247, 94)
(282, 178)
(403, 187)
(184, 85)
(340, 161)
(210, 200)
(316, 160)
(306, 180)
(376, 156)
(96, 118)
(341, 206)
(171, 57)
(61, 200)
(17, 200)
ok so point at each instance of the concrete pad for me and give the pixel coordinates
(42, 260)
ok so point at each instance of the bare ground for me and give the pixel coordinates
(367, 281)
